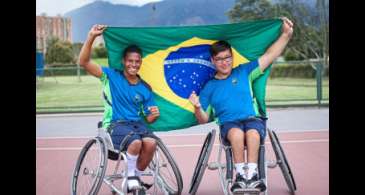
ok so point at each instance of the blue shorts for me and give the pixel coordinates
(252, 123)
(119, 130)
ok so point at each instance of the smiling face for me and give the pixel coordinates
(223, 62)
(132, 62)
(222, 58)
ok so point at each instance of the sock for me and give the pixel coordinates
(138, 172)
(132, 162)
(252, 169)
(239, 168)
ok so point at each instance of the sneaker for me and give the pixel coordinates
(133, 183)
(239, 183)
(143, 184)
(255, 182)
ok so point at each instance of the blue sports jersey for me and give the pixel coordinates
(231, 98)
(129, 101)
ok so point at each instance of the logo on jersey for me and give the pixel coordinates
(137, 99)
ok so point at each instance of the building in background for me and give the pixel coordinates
(48, 27)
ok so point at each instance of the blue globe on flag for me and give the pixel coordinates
(188, 69)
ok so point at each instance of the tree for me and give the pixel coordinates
(59, 52)
(100, 52)
(310, 38)
(322, 6)
(76, 48)
(250, 10)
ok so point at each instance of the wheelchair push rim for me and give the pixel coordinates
(90, 168)
(202, 162)
(168, 175)
(283, 162)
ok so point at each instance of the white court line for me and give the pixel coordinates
(279, 132)
(69, 115)
(300, 131)
(180, 135)
(77, 137)
(188, 145)
(57, 148)
(160, 135)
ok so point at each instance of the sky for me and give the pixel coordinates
(55, 7)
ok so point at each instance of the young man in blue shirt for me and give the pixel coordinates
(229, 93)
(130, 104)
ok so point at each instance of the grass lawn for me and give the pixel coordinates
(101, 61)
(294, 89)
(65, 91)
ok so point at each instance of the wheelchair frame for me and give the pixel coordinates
(107, 151)
(225, 169)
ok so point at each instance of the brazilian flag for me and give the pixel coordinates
(176, 61)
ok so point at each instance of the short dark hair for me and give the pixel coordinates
(219, 46)
(132, 49)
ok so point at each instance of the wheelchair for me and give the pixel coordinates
(90, 170)
(225, 167)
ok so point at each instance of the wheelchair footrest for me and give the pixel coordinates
(247, 191)
(113, 177)
(146, 173)
(215, 165)
(271, 164)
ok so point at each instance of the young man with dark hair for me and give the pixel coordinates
(230, 95)
(130, 104)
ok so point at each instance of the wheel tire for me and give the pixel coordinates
(99, 174)
(283, 162)
(201, 165)
(162, 149)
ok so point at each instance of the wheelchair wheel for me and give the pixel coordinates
(202, 163)
(90, 168)
(169, 176)
(282, 161)
(226, 172)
